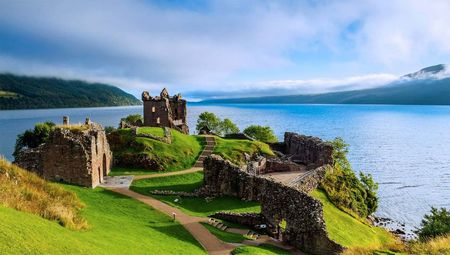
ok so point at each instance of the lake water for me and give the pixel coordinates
(405, 148)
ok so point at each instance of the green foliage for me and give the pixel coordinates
(435, 224)
(33, 138)
(210, 120)
(133, 119)
(228, 127)
(261, 133)
(109, 129)
(22, 92)
(357, 197)
(225, 236)
(118, 225)
(347, 230)
(215, 124)
(233, 149)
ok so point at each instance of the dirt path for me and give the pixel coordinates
(210, 242)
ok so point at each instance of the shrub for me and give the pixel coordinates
(261, 133)
(133, 119)
(33, 138)
(435, 224)
(357, 197)
(109, 129)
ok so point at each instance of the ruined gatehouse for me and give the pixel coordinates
(75, 154)
(281, 186)
(165, 111)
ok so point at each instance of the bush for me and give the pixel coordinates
(109, 129)
(34, 138)
(215, 124)
(357, 197)
(261, 133)
(133, 119)
(435, 224)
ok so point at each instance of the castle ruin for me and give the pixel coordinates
(165, 111)
(75, 154)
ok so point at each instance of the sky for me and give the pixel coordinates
(224, 48)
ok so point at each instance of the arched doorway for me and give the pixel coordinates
(105, 165)
(100, 175)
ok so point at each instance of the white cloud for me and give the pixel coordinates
(136, 44)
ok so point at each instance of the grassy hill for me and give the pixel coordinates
(35, 217)
(23, 92)
(234, 150)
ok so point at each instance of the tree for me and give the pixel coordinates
(34, 138)
(261, 133)
(209, 120)
(435, 224)
(228, 127)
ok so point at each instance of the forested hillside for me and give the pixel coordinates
(23, 92)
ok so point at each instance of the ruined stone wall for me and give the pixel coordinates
(311, 179)
(280, 165)
(308, 150)
(251, 220)
(76, 156)
(302, 213)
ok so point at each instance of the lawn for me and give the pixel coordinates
(181, 154)
(117, 225)
(225, 236)
(263, 249)
(234, 150)
(192, 205)
(183, 182)
(348, 231)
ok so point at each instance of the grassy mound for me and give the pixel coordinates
(25, 191)
(349, 231)
(234, 150)
(192, 205)
(182, 153)
(263, 249)
(118, 225)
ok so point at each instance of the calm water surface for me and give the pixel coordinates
(405, 148)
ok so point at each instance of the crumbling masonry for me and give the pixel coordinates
(280, 202)
(76, 154)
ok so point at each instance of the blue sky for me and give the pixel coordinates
(225, 48)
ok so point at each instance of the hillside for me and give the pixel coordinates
(428, 86)
(23, 92)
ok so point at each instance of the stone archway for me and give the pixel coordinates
(100, 175)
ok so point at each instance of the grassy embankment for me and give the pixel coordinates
(192, 205)
(181, 154)
(116, 224)
(233, 149)
(263, 249)
(351, 232)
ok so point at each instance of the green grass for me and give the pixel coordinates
(117, 171)
(8, 94)
(192, 205)
(117, 225)
(225, 236)
(263, 249)
(234, 150)
(347, 230)
(182, 153)
(183, 182)
(151, 130)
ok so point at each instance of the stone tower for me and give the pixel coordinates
(165, 111)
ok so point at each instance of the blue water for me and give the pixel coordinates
(405, 148)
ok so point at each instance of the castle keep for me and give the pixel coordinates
(76, 154)
(165, 111)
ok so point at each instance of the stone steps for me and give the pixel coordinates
(207, 151)
(217, 224)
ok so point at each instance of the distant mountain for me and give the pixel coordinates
(429, 86)
(23, 92)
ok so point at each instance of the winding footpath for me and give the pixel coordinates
(192, 224)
